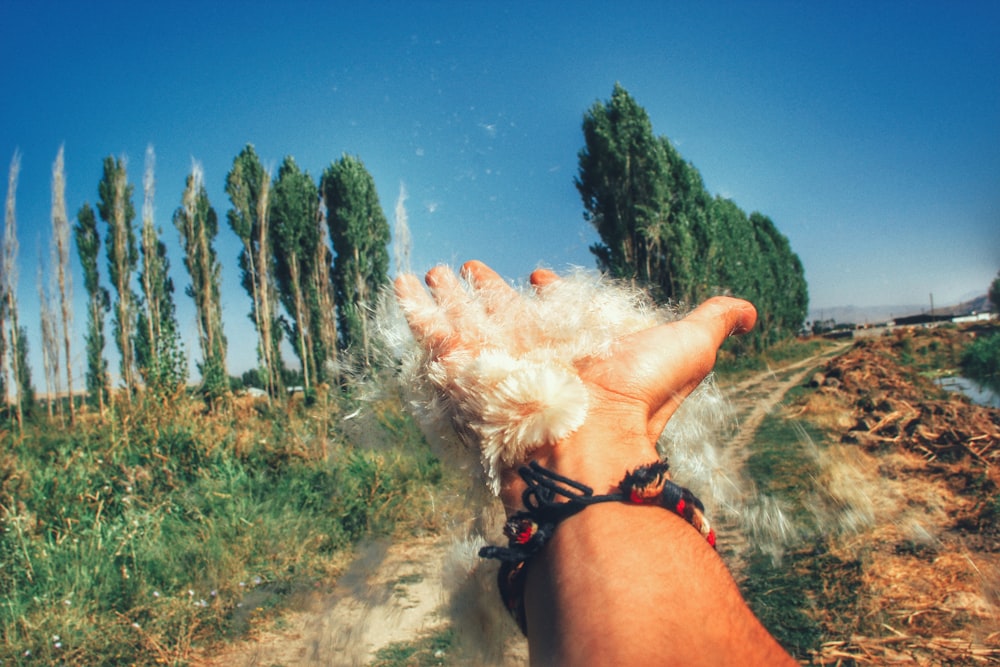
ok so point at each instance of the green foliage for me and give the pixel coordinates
(198, 225)
(88, 244)
(22, 373)
(132, 541)
(359, 232)
(798, 598)
(159, 352)
(659, 226)
(116, 210)
(994, 293)
(295, 235)
(622, 181)
(981, 359)
(248, 187)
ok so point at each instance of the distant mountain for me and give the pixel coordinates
(876, 314)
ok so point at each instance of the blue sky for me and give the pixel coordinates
(868, 131)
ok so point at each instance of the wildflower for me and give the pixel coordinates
(190, 593)
(136, 625)
(257, 580)
(156, 594)
(214, 593)
(67, 602)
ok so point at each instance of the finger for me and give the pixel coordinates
(724, 316)
(449, 293)
(493, 291)
(541, 278)
(465, 311)
(425, 318)
(670, 360)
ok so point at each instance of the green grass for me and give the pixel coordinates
(783, 466)
(134, 539)
(734, 367)
(428, 651)
(980, 359)
(808, 589)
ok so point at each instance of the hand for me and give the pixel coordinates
(631, 391)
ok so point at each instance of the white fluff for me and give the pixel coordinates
(521, 390)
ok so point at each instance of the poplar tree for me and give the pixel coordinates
(323, 304)
(360, 235)
(158, 349)
(249, 187)
(88, 246)
(17, 342)
(60, 238)
(622, 181)
(116, 210)
(659, 226)
(50, 343)
(198, 226)
(295, 235)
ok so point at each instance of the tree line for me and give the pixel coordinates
(660, 227)
(314, 256)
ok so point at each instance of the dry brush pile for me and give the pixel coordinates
(930, 557)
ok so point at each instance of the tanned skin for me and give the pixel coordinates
(618, 584)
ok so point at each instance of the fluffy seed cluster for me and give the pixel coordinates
(521, 389)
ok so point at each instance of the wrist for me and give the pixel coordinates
(593, 456)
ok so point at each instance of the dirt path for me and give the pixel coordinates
(753, 399)
(390, 593)
(393, 592)
(756, 397)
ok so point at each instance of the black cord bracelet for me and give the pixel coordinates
(551, 498)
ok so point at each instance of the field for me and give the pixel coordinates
(158, 529)
(162, 534)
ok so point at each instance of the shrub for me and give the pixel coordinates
(981, 358)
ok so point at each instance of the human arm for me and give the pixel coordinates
(616, 582)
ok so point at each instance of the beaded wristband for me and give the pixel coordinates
(528, 530)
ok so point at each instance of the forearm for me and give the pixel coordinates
(622, 584)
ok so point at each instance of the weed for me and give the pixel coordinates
(132, 540)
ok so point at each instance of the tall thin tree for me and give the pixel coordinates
(198, 225)
(116, 209)
(295, 234)
(159, 354)
(50, 343)
(249, 187)
(15, 333)
(622, 182)
(88, 245)
(360, 235)
(60, 237)
(325, 317)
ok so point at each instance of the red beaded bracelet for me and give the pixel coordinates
(551, 498)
